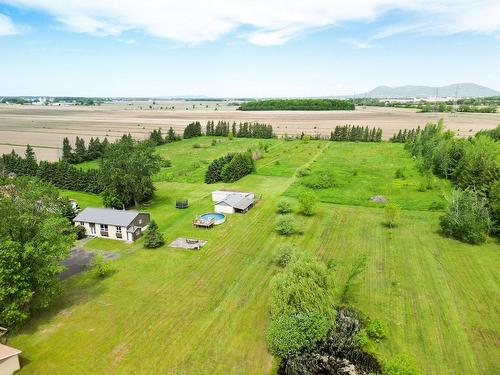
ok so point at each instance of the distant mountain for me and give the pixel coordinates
(469, 90)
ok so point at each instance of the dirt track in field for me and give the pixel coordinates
(46, 126)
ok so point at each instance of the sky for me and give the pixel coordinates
(244, 48)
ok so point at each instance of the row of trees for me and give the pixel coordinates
(356, 134)
(241, 130)
(472, 165)
(230, 168)
(405, 135)
(128, 164)
(61, 173)
(193, 130)
(80, 152)
(156, 137)
(297, 105)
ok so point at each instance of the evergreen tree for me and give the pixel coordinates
(30, 165)
(153, 237)
(80, 150)
(67, 153)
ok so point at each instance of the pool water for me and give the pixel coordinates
(218, 217)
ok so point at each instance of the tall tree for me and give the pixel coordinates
(34, 238)
(67, 151)
(129, 167)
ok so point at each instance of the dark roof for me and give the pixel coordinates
(107, 216)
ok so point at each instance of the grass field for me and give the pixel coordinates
(204, 312)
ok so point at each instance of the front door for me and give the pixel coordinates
(92, 228)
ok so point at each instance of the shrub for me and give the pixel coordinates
(284, 254)
(166, 163)
(286, 225)
(399, 173)
(101, 267)
(307, 201)
(153, 236)
(302, 172)
(80, 232)
(320, 180)
(391, 213)
(230, 136)
(214, 142)
(467, 218)
(284, 207)
(196, 145)
(400, 366)
(376, 329)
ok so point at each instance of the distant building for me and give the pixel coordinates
(230, 201)
(9, 360)
(115, 224)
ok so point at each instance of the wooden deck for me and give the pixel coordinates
(204, 223)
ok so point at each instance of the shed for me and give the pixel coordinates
(235, 202)
(9, 360)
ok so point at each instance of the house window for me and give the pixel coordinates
(104, 230)
(118, 232)
(140, 221)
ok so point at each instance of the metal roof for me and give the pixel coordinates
(107, 216)
(7, 351)
(238, 201)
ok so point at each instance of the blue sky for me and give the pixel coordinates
(235, 48)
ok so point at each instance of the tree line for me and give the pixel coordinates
(473, 167)
(128, 164)
(297, 105)
(356, 134)
(241, 130)
(404, 135)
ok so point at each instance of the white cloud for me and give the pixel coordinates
(265, 22)
(7, 27)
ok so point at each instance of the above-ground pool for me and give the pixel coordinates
(218, 217)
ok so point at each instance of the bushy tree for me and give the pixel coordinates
(153, 238)
(284, 254)
(400, 365)
(213, 173)
(284, 207)
(302, 311)
(286, 225)
(192, 130)
(467, 218)
(307, 201)
(34, 238)
(129, 167)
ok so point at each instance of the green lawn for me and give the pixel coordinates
(206, 312)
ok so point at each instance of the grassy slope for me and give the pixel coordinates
(206, 312)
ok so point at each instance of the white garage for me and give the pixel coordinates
(229, 202)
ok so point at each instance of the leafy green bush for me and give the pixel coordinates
(376, 329)
(284, 207)
(467, 218)
(399, 173)
(400, 366)
(80, 232)
(302, 172)
(101, 267)
(391, 212)
(196, 145)
(319, 180)
(286, 225)
(307, 201)
(284, 254)
(153, 237)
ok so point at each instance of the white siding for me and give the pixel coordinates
(9, 365)
(111, 231)
(223, 208)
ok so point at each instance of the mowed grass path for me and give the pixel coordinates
(206, 312)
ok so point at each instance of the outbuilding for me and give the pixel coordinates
(9, 360)
(231, 201)
(125, 225)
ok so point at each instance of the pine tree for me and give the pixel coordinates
(67, 153)
(153, 237)
(30, 165)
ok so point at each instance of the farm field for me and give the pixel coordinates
(44, 127)
(206, 311)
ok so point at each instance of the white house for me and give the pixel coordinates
(9, 360)
(230, 201)
(115, 224)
